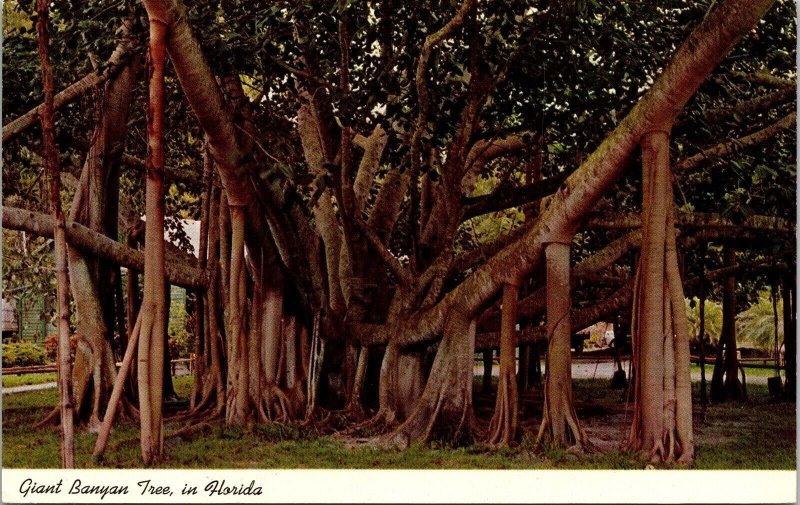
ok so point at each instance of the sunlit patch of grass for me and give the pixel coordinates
(10, 381)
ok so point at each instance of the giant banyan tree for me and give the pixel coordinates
(385, 189)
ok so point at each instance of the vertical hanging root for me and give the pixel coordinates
(560, 426)
(116, 394)
(354, 410)
(684, 436)
(239, 406)
(153, 310)
(66, 407)
(662, 423)
(503, 428)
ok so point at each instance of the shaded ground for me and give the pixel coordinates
(756, 435)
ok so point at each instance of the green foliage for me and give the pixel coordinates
(755, 327)
(712, 319)
(23, 354)
(179, 335)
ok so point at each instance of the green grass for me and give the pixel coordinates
(757, 435)
(10, 381)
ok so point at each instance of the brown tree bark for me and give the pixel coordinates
(504, 426)
(60, 249)
(662, 420)
(560, 426)
(96, 205)
(239, 409)
(98, 244)
(151, 338)
(444, 411)
(725, 383)
(70, 93)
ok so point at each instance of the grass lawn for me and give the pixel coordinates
(10, 381)
(756, 435)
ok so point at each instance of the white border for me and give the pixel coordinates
(432, 486)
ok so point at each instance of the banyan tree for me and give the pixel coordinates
(384, 190)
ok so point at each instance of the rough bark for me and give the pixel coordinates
(444, 411)
(95, 205)
(60, 249)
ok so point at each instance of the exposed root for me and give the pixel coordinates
(384, 421)
(52, 418)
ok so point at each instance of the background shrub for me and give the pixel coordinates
(23, 354)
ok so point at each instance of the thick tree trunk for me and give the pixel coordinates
(400, 386)
(503, 428)
(662, 420)
(277, 405)
(560, 426)
(444, 411)
(151, 338)
(62, 286)
(725, 383)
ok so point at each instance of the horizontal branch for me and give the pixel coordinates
(505, 198)
(764, 78)
(580, 318)
(736, 145)
(750, 107)
(81, 237)
(70, 93)
(698, 220)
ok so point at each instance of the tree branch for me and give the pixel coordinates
(736, 145)
(81, 237)
(77, 89)
(507, 197)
